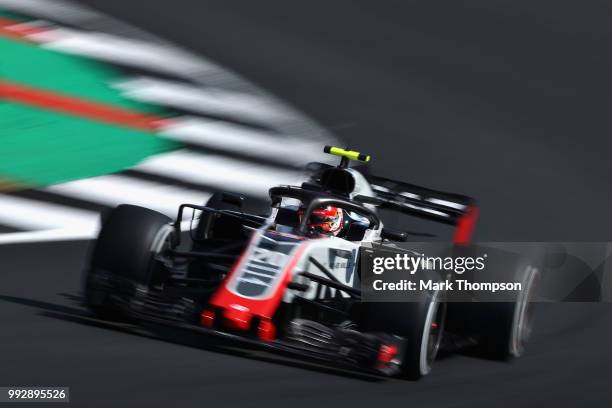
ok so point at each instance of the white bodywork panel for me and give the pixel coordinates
(337, 255)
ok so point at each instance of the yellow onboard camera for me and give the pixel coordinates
(347, 154)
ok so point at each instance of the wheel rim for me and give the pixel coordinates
(523, 316)
(160, 244)
(432, 333)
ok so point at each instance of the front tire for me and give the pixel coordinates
(420, 323)
(125, 251)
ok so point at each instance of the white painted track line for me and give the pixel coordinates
(58, 234)
(241, 139)
(31, 214)
(219, 172)
(208, 100)
(113, 190)
(109, 47)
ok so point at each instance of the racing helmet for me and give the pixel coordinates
(327, 219)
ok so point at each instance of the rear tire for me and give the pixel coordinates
(210, 226)
(126, 247)
(509, 323)
(499, 330)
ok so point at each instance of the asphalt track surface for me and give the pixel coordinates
(503, 101)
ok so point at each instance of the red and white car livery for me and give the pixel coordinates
(282, 281)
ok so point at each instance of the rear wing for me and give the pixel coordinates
(453, 209)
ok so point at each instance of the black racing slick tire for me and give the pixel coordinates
(125, 250)
(214, 231)
(499, 329)
(209, 226)
(505, 327)
(420, 323)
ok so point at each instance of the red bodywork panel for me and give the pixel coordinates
(237, 312)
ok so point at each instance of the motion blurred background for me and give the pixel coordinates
(164, 102)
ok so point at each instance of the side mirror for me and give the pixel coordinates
(394, 235)
(233, 199)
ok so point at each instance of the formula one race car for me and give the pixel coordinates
(290, 281)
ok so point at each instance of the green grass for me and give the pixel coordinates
(40, 147)
(37, 67)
